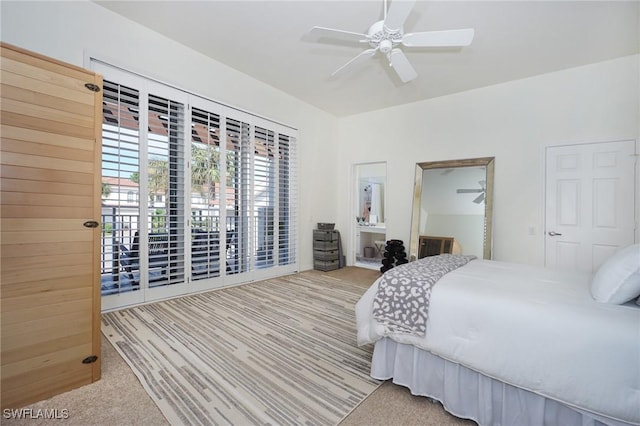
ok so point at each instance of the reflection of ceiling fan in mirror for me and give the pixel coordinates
(482, 191)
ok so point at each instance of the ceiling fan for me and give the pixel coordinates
(482, 190)
(387, 36)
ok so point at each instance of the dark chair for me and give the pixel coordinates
(158, 254)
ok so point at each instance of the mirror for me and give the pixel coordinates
(369, 230)
(371, 180)
(452, 208)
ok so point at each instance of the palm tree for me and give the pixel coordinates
(158, 178)
(106, 190)
(205, 170)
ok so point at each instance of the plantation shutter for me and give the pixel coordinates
(165, 165)
(238, 198)
(264, 197)
(120, 188)
(205, 194)
(287, 198)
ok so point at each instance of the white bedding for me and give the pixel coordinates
(533, 328)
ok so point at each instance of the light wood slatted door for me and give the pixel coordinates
(49, 187)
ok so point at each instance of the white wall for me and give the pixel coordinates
(66, 30)
(514, 122)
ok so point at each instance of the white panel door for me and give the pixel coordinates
(589, 203)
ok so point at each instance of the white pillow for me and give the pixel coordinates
(618, 279)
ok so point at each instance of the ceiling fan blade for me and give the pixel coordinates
(447, 38)
(397, 14)
(401, 65)
(468, 191)
(479, 198)
(363, 56)
(320, 32)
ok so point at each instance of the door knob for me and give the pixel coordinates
(91, 224)
(554, 234)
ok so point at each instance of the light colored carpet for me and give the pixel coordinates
(394, 405)
(119, 398)
(116, 399)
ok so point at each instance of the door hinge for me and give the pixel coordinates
(92, 87)
(90, 359)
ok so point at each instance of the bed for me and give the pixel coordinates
(508, 344)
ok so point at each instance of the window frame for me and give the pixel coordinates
(279, 265)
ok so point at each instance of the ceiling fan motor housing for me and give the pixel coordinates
(382, 38)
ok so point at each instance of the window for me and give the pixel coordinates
(216, 188)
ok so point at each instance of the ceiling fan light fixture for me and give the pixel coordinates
(386, 45)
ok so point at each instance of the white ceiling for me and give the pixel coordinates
(269, 41)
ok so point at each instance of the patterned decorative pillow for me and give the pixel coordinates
(617, 281)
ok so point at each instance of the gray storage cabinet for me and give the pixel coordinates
(326, 252)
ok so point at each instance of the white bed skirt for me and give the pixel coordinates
(470, 395)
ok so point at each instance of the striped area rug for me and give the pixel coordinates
(281, 352)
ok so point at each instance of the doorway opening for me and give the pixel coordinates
(369, 214)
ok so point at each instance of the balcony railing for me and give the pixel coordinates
(120, 247)
(119, 258)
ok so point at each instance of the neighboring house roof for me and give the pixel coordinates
(118, 182)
